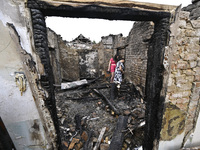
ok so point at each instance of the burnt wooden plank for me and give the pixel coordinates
(108, 101)
(118, 135)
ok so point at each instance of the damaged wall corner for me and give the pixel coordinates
(27, 100)
(183, 83)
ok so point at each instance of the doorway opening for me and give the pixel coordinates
(152, 96)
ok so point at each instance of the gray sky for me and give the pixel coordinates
(94, 29)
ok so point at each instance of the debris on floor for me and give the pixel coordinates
(89, 117)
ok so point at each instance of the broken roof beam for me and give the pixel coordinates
(124, 10)
(114, 3)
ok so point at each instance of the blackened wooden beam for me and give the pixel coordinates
(92, 10)
(108, 101)
(118, 135)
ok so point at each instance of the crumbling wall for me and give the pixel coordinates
(54, 54)
(136, 54)
(73, 60)
(22, 108)
(183, 84)
(64, 59)
(88, 63)
(104, 57)
(69, 62)
(111, 41)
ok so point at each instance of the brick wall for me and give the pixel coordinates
(184, 79)
(136, 54)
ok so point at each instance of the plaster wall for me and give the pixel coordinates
(18, 109)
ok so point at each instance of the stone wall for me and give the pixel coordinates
(136, 53)
(184, 80)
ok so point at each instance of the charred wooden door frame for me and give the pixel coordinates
(155, 101)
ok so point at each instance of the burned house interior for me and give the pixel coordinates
(96, 106)
(155, 107)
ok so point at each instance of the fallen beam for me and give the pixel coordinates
(79, 84)
(107, 100)
(69, 85)
(118, 135)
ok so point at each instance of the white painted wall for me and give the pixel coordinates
(174, 144)
(18, 112)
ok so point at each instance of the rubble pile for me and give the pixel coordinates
(89, 120)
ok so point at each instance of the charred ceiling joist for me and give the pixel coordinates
(90, 10)
(116, 11)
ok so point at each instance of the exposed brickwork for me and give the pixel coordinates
(136, 53)
(183, 86)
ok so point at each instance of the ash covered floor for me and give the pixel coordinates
(83, 114)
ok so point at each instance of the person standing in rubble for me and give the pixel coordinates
(112, 66)
(119, 70)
